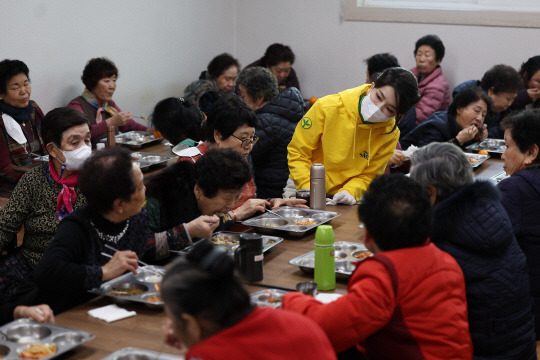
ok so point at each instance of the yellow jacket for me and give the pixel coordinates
(333, 134)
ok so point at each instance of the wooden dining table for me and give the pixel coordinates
(145, 329)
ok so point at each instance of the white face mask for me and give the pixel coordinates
(76, 158)
(371, 112)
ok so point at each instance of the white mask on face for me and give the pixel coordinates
(76, 158)
(371, 112)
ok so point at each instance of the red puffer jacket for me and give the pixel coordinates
(402, 304)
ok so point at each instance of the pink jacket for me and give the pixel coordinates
(434, 94)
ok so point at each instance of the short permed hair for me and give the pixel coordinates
(106, 176)
(432, 41)
(467, 96)
(442, 165)
(9, 69)
(218, 65)
(524, 128)
(377, 63)
(97, 69)
(59, 120)
(277, 53)
(396, 211)
(258, 81)
(502, 78)
(529, 68)
(227, 114)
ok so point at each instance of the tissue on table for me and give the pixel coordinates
(111, 313)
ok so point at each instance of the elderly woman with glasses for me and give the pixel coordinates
(231, 125)
(277, 116)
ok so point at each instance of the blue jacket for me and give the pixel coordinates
(521, 198)
(277, 121)
(492, 119)
(439, 127)
(473, 227)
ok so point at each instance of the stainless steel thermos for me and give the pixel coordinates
(317, 187)
(248, 257)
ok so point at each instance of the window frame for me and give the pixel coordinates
(482, 17)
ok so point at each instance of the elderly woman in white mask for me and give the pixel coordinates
(43, 196)
(353, 134)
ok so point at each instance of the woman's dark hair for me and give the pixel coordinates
(396, 211)
(524, 128)
(97, 69)
(277, 53)
(107, 176)
(9, 69)
(466, 96)
(529, 68)
(219, 169)
(227, 114)
(377, 63)
(59, 120)
(220, 64)
(258, 81)
(222, 169)
(203, 284)
(434, 42)
(502, 78)
(405, 88)
(177, 119)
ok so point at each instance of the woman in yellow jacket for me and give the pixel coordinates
(353, 134)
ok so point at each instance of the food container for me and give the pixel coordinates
(492, 146)
(500, 176)
(24, 334)
(131, 353)
(136, 139)
(147, 161)
(476, 159)
(232, 239)
(346, 254)
(295, 222)
(135, 288)
(269, 297)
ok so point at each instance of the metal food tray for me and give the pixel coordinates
(344, 254)
(261, 298)
(269, 223)
(495, 146)
(234, 237)
(499, 177)
(147, 161)
(476, 159)
(23, 332)
(144, 280)
(131, 353)
(136, 139)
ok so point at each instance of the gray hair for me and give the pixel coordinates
(258, 81)
(442, 165)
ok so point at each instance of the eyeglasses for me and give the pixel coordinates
(248, 141)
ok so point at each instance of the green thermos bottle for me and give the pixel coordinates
(325, 268)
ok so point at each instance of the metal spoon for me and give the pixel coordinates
(275, 213)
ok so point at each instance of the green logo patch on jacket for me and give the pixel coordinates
(306, 123)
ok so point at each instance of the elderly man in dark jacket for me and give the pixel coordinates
(471, 224)
(277, 115)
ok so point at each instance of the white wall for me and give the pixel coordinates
(330, 52)
(158, 46)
